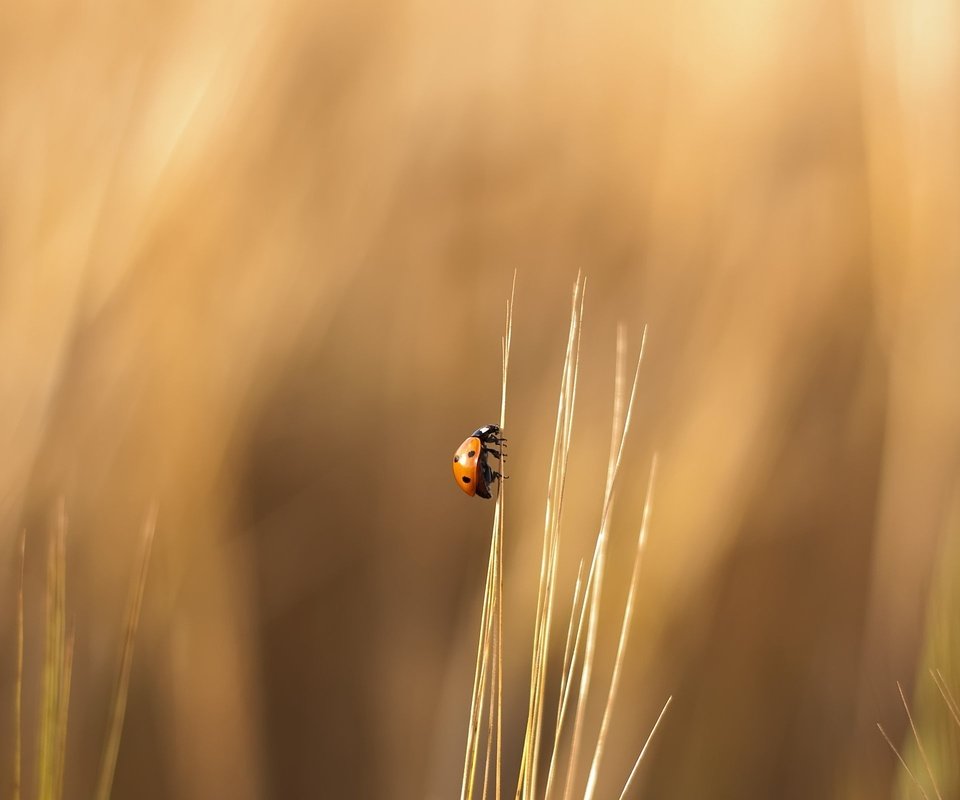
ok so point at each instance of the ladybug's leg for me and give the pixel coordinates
(489, 434)
(495, 453)
(489, 473)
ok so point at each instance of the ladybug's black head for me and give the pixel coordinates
(488, 433)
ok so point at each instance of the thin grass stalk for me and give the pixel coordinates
(525, 781)
(945, 694)
(536, 668)
(526, 787)
(643, 750)
(507, 338)
(568, 643)
(18, 686)
(567, 683)
(493, 663)
(946, 688)
(62, 715)
(618, 437)
(56, 669)
(916, 736)
(499, 655)
(111, 750)
(492, 596)
(624, 634)
(616, 429)
(48, 698)
(495, 713)
(896, 752)
(589, 596)
(480, 675)
(555, 557)
(490, 719)
(597, 569)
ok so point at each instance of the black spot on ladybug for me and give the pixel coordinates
(465, 479)
(471, 454)
(456, 458)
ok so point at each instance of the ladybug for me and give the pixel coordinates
(470, 467)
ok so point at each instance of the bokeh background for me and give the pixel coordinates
(253, 264)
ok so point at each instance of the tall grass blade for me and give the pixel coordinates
(62, 714)
(946, 695)
(598, 563)
(920, 748)
(489, 647)
(643, 750)
(896, 752)
(624, 634)
(18, 686)
(526, 784)
(567, 668)
(56, 670)
(118, 708)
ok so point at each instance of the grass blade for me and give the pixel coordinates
(56, 669)
(946, 695)
(896, 752)
(526, 784)
(598, 564)
(118, 709)
(624, 634)
(18, 686)
(489, 647)
(643, 750)
(920, 748)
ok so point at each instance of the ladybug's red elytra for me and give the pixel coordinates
(470, 467)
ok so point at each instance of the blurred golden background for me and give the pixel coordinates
(253, 264)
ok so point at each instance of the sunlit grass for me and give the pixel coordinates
(57, 670)
(949, 701)
(581, 628)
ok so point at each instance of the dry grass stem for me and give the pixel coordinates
(597, 565)
(624, 635)
(56, 670)
(489, 650)
(643, 750)
(920, 748)
(904, 763)
(63, 714)
(526, 785)
(946, 695)
(568, 644)
(18, 685)
(566, 684)
(581, 633)
(119, 702)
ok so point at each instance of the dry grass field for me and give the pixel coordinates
(254, 259)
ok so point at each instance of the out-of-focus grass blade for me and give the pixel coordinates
(57, 664)
(624, 632)
(920, 748)
(18, 687)
(119, 703)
